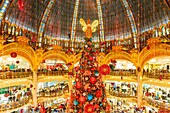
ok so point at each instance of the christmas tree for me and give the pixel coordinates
(88, 93)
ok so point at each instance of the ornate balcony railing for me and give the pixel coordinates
(13, 75)
(156, 75)
(13, 105)
(54, 93)
(122, 94)
(123, 73)
(52, 73)
(156, 103)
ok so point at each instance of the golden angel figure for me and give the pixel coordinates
(89, 28)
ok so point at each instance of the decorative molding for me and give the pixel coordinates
(74, 20)
(132, 21)
(4, 6)
(100, 20)
(44, 20)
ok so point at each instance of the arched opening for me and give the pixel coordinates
(12, 68)
(123, 68)
(52, 67)
(157, 67)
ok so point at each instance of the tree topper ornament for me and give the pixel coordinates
(89, 28)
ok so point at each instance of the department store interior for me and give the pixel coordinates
(84, 56)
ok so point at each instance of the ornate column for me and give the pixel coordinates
(140, 87)
(34, 91)
(70, 84)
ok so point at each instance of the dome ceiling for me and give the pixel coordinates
(120, 20)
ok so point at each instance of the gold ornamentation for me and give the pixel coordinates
(22, 39)
(89, 28)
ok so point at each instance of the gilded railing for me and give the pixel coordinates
(53, 93)
(52, 73)
(13, 105)
(157, 75)
(122, 94)
(157, 103)
(123, 73)
(13, 75)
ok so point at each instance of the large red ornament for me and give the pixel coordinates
(98, 93)
(93, 80)
(21, 5)
(104, 69)
(89, 108)
(78, 85)
(82, 99)
(13, 54)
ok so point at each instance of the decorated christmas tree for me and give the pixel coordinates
(88, 93)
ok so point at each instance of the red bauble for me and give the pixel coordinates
(82, 71)
(160, 77)
(112, 83)
(104, 69)
(13, 54)
(43, 61)
(148, 47)
(93, 80)
(98, 93)
(77, 96)
(90, 58)
(89, 48)
(77, 68)
(89, 89)
(78, 85)
(107, 107)
(82, 99)
(17, 62)
(96, 106)
(31, 86)
(69, 64)
(113, 61)
(70, 74)
(80, 111)
(89, 108)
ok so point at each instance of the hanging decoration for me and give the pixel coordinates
(13, 54)
(21, 5)
(31, 85)
(104, 69)
(17, 61)
(69, 64)
(43, 61)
